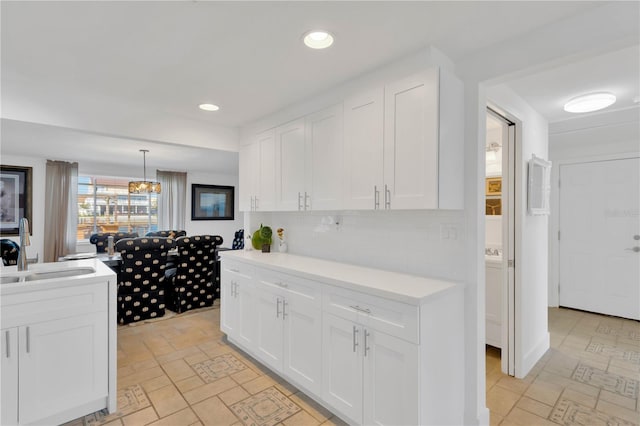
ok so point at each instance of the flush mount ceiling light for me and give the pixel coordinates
(590, 102)
(318, 39)
(208, 107)
(144, 186)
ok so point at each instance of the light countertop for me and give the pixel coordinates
(405, 288)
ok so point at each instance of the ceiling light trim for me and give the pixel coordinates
(209, 107)
(590, 102)
(318, 39)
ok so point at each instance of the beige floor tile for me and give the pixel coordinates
(156, 383)
(213, 412)
(302, 418)
(209, 389)
(177, 354)
(579, 397)
(116, 422)
(544, 392)
(196, 358)
(167, 400)
(500, 400)
(335, 421)
(309, 405)
(521, 417)
(618, 411)
(259, 384)
(234, 395)
(139, 377)
(614, 398)
(244, 376)
(495, 419)
(178, 370)
(512, 384)
(142, 417)
(534, 407)
(184, 417)
(189, 383)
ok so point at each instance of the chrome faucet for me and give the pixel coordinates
(24, 242)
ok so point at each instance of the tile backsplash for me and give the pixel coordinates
(426, 243)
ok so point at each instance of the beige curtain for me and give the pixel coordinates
(172, 200)
(61, 209)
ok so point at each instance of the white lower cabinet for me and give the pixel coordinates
(371, 359)
(9, 370)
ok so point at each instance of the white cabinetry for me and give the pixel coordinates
(363, 150)
(237, 313)
(257, 173)
(371, 358)
(290, 167)
(403, 144)
(55, 354)
(493, 302)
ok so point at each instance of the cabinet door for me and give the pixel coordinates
(266, 176)
(249, 167)
(342, 366)
(390, 380)
(269, 325)
(493, 305)
(63, 363)
(324, 158)
(246, 314)
(9, 374)
(303, 341)
(411, 141)
(228, 304)
(289, 166)
(363, 150)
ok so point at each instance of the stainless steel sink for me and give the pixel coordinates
(57, 274)
(9, 279)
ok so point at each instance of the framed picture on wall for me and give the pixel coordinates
(212, 202)
(15, 198)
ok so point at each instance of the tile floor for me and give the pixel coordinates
(590, 376)
(180, 371)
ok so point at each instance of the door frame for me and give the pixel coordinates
(554, 218)
(511, 234)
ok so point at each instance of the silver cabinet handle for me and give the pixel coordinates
(6, 335)
(28, 339)
(376, 197)
(366, 342)
(278, 307)
(306, 205)
(281, 284)
(284, 308)
(234, 270)
(299, 201)
(387, 197)
(256, 203)
(358, 308)
(252, 208)
(634, 249)
(355, 338)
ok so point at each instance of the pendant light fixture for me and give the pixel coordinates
(144, 186)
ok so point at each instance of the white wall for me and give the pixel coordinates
(37, 201)
(532, 240)
(603, 135)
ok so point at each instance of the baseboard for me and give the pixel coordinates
(480, 418)
(533, 356)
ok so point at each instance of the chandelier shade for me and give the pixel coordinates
(144, 186)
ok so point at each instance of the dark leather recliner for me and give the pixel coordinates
(167, 234)
(10, 250)
(196, 282)
(100, 239)
(141, 280)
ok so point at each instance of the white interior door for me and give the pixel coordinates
(600, 237)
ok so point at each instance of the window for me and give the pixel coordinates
(105, 205)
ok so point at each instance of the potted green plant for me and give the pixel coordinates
(261, 239)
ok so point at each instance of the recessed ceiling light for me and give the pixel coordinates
(209, 107)
(590, 102)
(318, 39)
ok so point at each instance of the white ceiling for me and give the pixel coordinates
(126, 69)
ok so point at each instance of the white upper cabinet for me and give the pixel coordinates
(257, 173)
(363, 149)
(290, 166)
(404, 144)
(323, 161)
(411, 142)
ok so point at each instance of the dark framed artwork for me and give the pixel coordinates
(15, 198)
(212, 202)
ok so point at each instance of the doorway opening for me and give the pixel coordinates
(500, 237)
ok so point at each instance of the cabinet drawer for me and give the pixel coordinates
(389, 316)
(290, 285)
(24, 308)
(231, 267)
